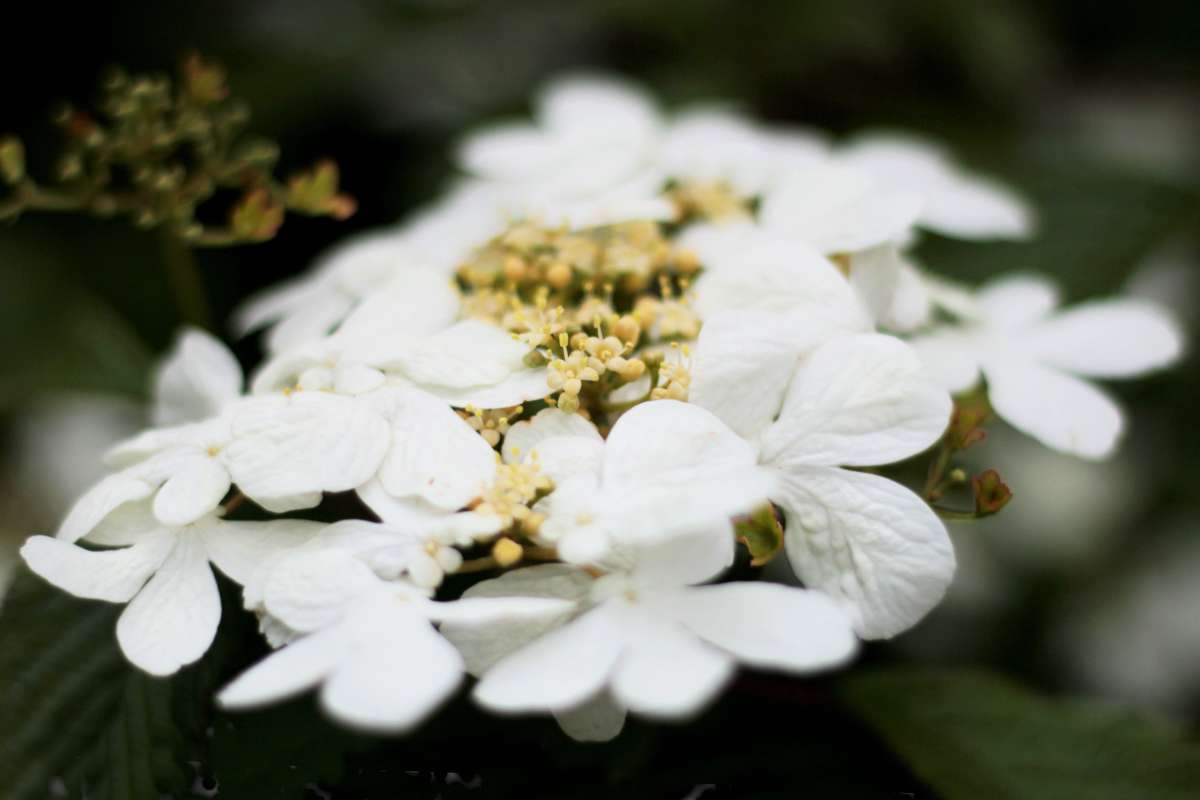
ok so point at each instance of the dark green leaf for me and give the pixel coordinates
(77, 719)
(975, 736)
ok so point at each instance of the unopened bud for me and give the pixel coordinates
(559, 275)
(634, 369)
(627, 330)
(506, 552)
(514, 268)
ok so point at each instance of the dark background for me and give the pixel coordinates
(1086, 585)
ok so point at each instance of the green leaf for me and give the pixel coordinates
(77, 719)
(975, 736)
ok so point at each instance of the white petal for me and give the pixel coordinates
(98, 502)
(127, 524)
(272, 304)
(858, 400)
(977, 208)
(869, 543)
(666, 671)
(560, 670)
(564, 457)
(483, 646)
(313, 589)
(313, 320)
(420, 517)
(1016, 301)
(295, 668)
(238, 548)
(739, 349)
(691, 556)
(912, 303)
(525, 435)
(671, 466)
(395, 670)
(599, 719)
(523, 385)
(192, 492)
(951, 357)
(112, 575)
(467, 354)
(484, 611)
(838, 209)
(597, 106)
(172, 621)
(667, 441)
(197, 379)
(768, 625)
(1108, 339)
(435, 455)
(303, 443)
(1059, 410)
(417, 302)
(875, 276)
(957, 203)
(507, 151)
(759, 270)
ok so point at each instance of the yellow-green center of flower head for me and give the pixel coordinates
(587, 302)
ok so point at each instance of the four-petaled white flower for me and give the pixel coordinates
(1034, 359)
(644, 636)
(182, 463)
(854, 401)
(163, 573)
(368, 642)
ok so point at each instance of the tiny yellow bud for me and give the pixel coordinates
(559, 275)
(634, 369)
(506, 552)
(686, 261)
(514, 268)
(627, 330)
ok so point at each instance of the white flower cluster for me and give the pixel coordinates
(617, 337)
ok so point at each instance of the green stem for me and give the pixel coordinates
(958, 516)
(187, 285)
(936, 470)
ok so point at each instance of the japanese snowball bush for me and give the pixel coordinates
(624, 351)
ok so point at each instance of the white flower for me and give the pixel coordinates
(856, 400)
(182, 464)
(370, 643)
(665, 466)
(1034, 358)
(660, 645)
(954, 203)
(289, 448)
(408, 333)
(585, 161)
(163, 573)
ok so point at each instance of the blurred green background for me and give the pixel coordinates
(1087, 584)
